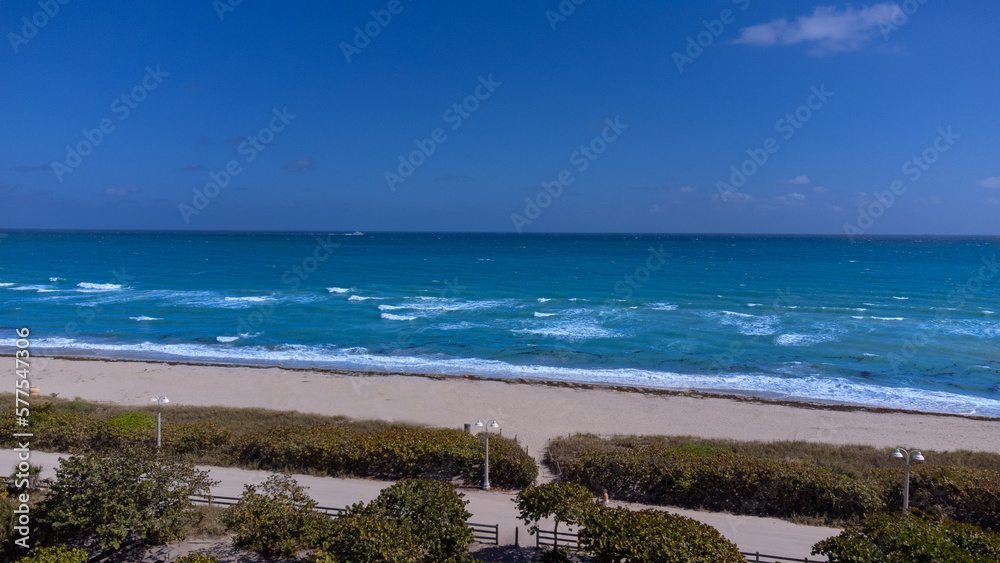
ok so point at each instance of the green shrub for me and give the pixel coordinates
(278, 521)
(966, 495)
(653, 536)
(434, 514)
(888, 538)
(360, 537)
(393, 453)
(118, 497)
(56, 555)
(568, 503)
(197, 558)
(131, 422)
(196, 438)
(721, 481)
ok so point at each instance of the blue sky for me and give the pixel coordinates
(645, 125)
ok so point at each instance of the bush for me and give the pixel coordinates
(564, 502)
(360, 537)
(652, 536)
(887, 538)
(197, 438)
(197, 558)
(966, 495)
(56, 555)
(122, 496)
(131, 422)
(393, 453)
(278, 521)
(433, 512)
(721, 481)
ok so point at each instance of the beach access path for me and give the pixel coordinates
(752, 534)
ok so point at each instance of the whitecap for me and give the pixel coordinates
(541, 315)
(54, 279)
(6, 284)
(888, 318)
(543, 299)
(99, 286)
(246, 335)
(337, 289)
(225, 339)
(145, 318)
(900, 298)
(391, 317)
(663, 307)
(794, 339)
(248, 299)
(360, 298)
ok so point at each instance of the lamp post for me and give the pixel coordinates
(908, 455)
(486, 472)
(159, 402)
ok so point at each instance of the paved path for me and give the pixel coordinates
(751, 534)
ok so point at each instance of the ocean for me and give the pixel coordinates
(891, 322)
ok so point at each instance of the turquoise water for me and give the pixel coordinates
(896, 322)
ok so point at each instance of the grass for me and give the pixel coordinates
(205, 523)
(853, 460)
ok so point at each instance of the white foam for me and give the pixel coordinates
(251, 299)
(391, 317)
(338, 289)
(988, 312)
(54, 279)
(99, 286)
(145, 318)
(543, 315)
(900, 298)
(795, 339)
(435, 305)
(227, 338)
(246, 335)
(35, 288)
(856, 317)
(544, 299)
(833, 389)
(575, 329)
(749, 325)
(6, 284)
(663, 307)
(754, 305)
(888, 318)
(361, 298)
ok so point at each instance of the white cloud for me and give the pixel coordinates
(687, 189)
(800, 180)
(991, 182)
(827, 29)
(821, 189)
(732, 197)
(791, 198)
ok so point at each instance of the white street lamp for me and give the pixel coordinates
(915, 455)
(486, 472)
(159, 402)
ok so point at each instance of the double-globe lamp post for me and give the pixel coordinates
(915, 455)
(486, 472)
(160, 401)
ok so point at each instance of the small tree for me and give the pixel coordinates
(433, 512)
(885, 538)
(564, 502)
(365, 537)
(278, 521)
(118, 497)
(653, 536)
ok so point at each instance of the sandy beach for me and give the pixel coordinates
(533, 411)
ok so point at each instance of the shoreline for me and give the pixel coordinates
(559, 383)
(534, 411)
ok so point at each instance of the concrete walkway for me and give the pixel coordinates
(765, 535)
